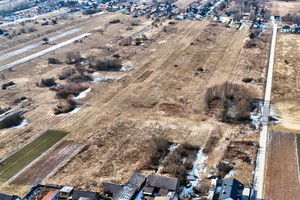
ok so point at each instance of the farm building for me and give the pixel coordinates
(65, 192)
(161, 185)
(52, 195)
(9, 197)
(131, 187)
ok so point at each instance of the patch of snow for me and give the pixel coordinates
(171, 150)
(82, 94)
(126, 69)
(231, 173)
(256, 115)
(198, 170)
(106, 78)
(76, 109)
(23, 123)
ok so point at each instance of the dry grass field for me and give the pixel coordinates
(282, 8)
(162, 96)
(282, 173)
(286, 87)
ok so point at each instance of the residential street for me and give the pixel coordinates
(261, 156)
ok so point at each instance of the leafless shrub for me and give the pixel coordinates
(106, 65)
(73, 57)
(6, 85)
(11, 120)
(224, 169)
(72, 89)
(126, 41)
(53, 61)
(66, 72)
(49, 82)
(247, 80)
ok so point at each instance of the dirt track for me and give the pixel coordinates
(282, 178)
(37, 172)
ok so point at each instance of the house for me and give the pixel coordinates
(285, 29)
(85, 195)
(52, 195)
(112, 189)
(65, 192)
(297, 29)
(131, 187)
(231, 189)
(161, 185)
(9, 197)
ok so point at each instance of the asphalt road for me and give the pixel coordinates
(261, 155)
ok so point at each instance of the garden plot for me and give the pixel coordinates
(24, 156)
(48, 163)
(282, 175)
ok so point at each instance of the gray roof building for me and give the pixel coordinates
(231, 189)
(131, 188)
(9, 197)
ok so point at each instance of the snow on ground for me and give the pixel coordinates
(76, 109)
(126, 69)
(231, 173)
(256, 115)
(198, 170)
(171, 150)
(83, 94)
(105, 78)
(23, 123)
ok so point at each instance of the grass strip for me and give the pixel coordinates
(23, 157)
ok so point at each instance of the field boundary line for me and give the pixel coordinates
(33, 162)
(64, 161)
(297, 156)
(21, 147)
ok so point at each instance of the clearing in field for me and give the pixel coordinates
(282, 175)
(41, 169)
(23, 157)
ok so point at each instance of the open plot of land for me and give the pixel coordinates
(286, 87)
(162, 96)
(23, 157)
(282, 8)
(38, 171)
(282, 175)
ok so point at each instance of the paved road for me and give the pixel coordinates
(261, 155)
(33, 56)
(33, 46)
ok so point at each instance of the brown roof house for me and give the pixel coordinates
(161, 186)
